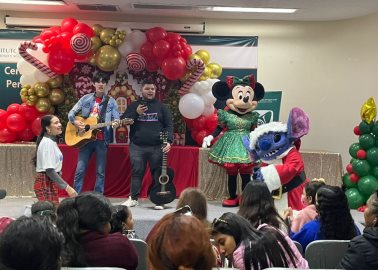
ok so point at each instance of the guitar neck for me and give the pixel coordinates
(164, 165)
(100, 125)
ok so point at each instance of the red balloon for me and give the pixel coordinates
(60, 59)
(29, 112)
(173, 37)
(151, 66)
(26, 134)
(194, 133)
(201, 135)
(36, 126)
(13, 108)
(161, 48)
(211, 122)
(37, 39)
(83, 57)
(361, 154)
(186, 51)
(354, 177)
(7, 136)
(83, 29)
(199, 123)
(189, 123)
(66, 36)
(357, 131)
(56, 29)
(68, 24)
(3, 118)
(155, 34)
(16, 122)
(47, 34)
(173, 68)
(349, 168)
(146, 51)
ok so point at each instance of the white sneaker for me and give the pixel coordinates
(130, 202)
(159, 207)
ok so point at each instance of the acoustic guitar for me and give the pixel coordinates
(76, 138)
(163, 190)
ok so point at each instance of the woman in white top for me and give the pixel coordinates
(48, 161)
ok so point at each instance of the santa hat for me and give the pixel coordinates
(264, 129)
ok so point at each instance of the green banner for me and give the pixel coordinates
(269, 107)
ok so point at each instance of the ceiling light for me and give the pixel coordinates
(27, 2)
(244, 9)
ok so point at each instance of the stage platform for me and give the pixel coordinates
(190, 164)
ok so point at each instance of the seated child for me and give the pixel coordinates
(122, 221)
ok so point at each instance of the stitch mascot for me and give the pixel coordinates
(241, 96)
(282, 168)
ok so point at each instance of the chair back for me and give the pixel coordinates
(325, 253)
(141, 247)
(299, 247)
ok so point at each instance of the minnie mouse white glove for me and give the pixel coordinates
(207, 141)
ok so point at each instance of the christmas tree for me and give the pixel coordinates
(361, 179)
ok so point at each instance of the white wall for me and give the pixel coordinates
(327, 68)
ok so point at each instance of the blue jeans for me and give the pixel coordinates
(139, 156)
(85, 152)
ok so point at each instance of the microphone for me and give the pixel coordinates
(3, 193)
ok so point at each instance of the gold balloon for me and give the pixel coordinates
(43, 105)
(92, 60)
(96, 43)
(56, 96)
(186, 76)
(56, 82)
(106, 34)
(97, 28)
(41, 89)
(33, 98)
(119, 41)
(203, 78)
(108, 58)
(194, 56)
(368, 111)
(52, 110)
(216, 70)
(205, 74)
(27, 86)
(24, 98)
(112, 42)
(31, 91)
(204, 55)
(30, 103)
(24, 92)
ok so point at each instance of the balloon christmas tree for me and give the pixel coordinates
(361, 179)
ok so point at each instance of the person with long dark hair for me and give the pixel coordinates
(257, 206)
(363, 250)
(122, 221)
(334, 221)
(48, 161)
(85, 224)
(251, 248)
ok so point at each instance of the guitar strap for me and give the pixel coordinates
(101, 119)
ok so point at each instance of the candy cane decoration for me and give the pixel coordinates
(136, 62)
(192, 79)
(34, 61)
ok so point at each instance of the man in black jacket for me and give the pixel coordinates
(150, 118)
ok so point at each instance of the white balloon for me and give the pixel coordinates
(124, 27)
(137, 38)
(208, 98)
(204, 87)
(24, 67)
(191, 106)
(39, 76)
(209, 110)
(27, 79)
(125, 48)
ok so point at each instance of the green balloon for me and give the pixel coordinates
(367, 141)
(352, 159)
(376, 142)
(361, 167)
(374, 172)
(347, 182)
(374, 129)
(355, 199)
(372, 156)
(367, 185)
(365, 128)
(353, 149)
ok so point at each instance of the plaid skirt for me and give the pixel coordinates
(45, 189)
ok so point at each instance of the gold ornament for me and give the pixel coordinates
(204, 55)
(107, 58)
(194, 56)
(41, 89)
(97, 28)
(96, 43)
(56, 82)
(368, 111)
(56, 96)
(106, 34)
(43, 105)
(216, 70)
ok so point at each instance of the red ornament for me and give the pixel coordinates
(357, 131)
(361, 154)
(349, 168)
(354, 178)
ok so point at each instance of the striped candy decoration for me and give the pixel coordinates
(80, 43)
(22, 50)
(192, 79)
(136, 62)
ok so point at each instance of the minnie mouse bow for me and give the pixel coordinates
(232, 81)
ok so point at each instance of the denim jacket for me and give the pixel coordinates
(84, 107)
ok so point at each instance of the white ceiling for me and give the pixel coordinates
(308, 10)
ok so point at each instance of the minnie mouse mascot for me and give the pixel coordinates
(241, 96)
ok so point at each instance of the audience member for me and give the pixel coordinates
(85, 223)
(363, 250)
(31, 243)
(122, 221)
(44, 209)
(298, 218)
(334, 220)
(251, 248)
(4, 223)
(180, 242)
(257, 206)
(197, 202)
